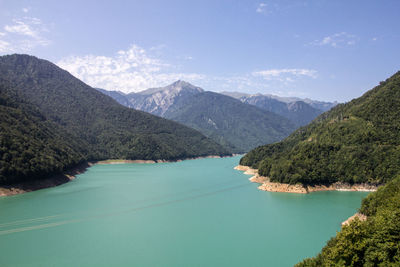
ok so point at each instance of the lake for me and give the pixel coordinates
(191, 213)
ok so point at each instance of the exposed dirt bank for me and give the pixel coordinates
(267, 185)
(358, 215)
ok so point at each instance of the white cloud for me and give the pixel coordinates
(5, 46)
(285, 74)
(136, 69)
(337, 40)
(22, 35)
(25, 10)
(21, 27)
(261, 8)
(375, 38)
(129, 70)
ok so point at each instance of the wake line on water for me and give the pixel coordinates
(172, 201)
(35, 227)
(14, 223)
(161, 197)
(111, 214)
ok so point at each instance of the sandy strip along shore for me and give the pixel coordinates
(267, 185)
(358, 215)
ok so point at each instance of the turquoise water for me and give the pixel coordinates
(190, 213)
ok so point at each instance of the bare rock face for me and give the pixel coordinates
(158, 100)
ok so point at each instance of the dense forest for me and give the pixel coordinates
(30, 145)
(374, 242)
(356, 142)
(50, 121)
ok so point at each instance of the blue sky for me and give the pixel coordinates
(325, 50)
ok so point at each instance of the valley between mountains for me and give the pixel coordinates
(53, 125)
(238, 121)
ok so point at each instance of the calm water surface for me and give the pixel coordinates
(190, 213)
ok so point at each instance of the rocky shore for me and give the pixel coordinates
(267, 185)
(358, 215)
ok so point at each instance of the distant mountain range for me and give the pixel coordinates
(321, 105)
(299, 111)
(231, 119)
(236, 125)
(50, 121)
(158, 100)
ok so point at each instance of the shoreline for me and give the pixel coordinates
(52, 181)
(70, 174)
(357, 215)
(267, 185)
(150, 161)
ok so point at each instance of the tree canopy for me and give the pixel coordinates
(50, 121)
(356, 142)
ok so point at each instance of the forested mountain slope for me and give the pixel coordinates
(236, 125)
(54, 117)
(30, 145)
(355, 142)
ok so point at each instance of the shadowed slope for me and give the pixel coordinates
(97, 127)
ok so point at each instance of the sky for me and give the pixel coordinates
(329, 50)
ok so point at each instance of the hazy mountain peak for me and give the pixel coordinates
(176, 87)
(158, 100)
(295, 109)
(319, 105)
(180, 83)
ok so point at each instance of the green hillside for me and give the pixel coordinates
(355, 142)
(230, 122)
(30, 145)
(50, 120)
(374, 242)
